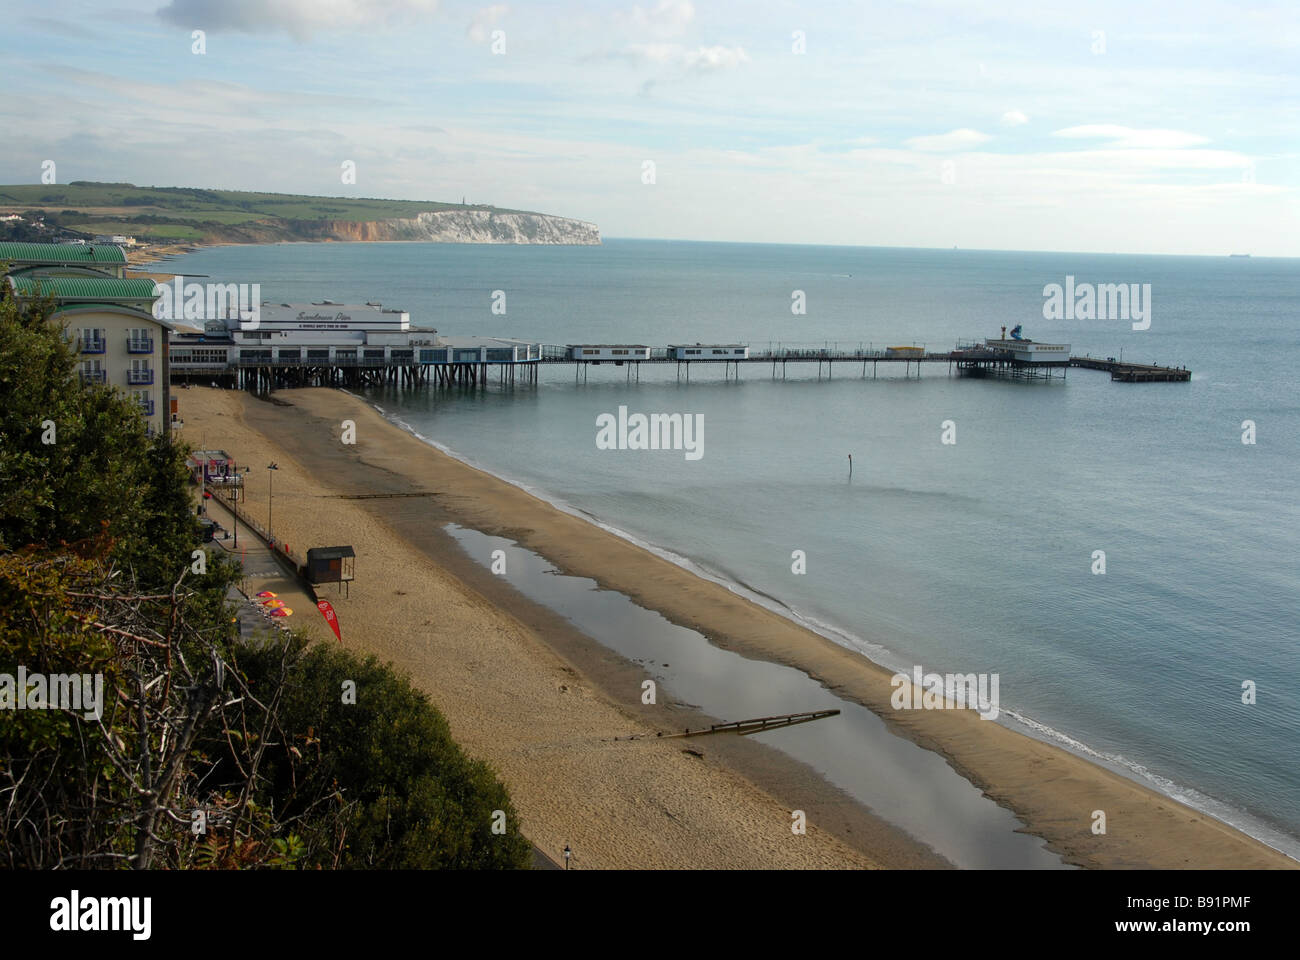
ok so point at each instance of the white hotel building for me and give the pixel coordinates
(108, 317)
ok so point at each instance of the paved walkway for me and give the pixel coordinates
(264, 569)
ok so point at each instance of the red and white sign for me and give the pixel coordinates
(327, 611)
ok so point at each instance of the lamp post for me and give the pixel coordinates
(269, 486)
(234, 504)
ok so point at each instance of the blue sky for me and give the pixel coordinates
(1124, 127)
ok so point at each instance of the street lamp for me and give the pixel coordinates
(568, 855)
(269, 477)
(234, 503)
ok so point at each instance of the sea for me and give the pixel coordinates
(1122, 556)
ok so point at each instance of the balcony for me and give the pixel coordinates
(92, 346)
(137, 345)
(146, 407)
(140, 378)
(92, 376)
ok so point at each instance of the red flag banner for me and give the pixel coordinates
(327, 611)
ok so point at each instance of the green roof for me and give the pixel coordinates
(61, 253)
(90, 305)
(99, 289)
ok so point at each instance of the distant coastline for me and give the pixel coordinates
(179, 219)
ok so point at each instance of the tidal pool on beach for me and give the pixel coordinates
(910, 787)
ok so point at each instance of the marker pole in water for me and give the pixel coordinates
(850, 466)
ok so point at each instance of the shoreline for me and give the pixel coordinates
(1051, 790)
(138, 261)
(878, 655)
(522, 688)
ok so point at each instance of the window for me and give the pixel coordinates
(139, 373)
(620, 353)
(92, 340)
(139, 340)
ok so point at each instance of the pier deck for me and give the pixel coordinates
(967, 359)
(1133, 372)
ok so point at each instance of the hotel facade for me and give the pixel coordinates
(107, 316)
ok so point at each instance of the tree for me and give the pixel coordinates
(202, 750)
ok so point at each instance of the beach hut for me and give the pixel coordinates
(331, 565)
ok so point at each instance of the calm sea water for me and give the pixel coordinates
(971, 557)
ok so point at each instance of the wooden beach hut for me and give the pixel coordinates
(331, 565)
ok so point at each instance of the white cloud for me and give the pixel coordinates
(299, 18)
(484, 20)
(1128, 137)
(1014, 118)
(669, 17)
(654, 52)
(698, 59)
(954, 140)
(706, 59)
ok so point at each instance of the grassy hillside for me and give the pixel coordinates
(197, 214)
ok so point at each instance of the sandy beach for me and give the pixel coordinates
(509, 696)
(525, 691)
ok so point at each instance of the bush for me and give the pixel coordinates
(96, 535)
(417, 801)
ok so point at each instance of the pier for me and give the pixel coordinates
(476, 362)
(1122, 372)
(967, 358)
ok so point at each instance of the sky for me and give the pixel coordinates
(1128, 127)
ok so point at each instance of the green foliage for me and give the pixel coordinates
(96, 536)
(101, 473)
(419, 801)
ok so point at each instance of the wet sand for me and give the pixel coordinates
(532, 738)
(519, 685)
